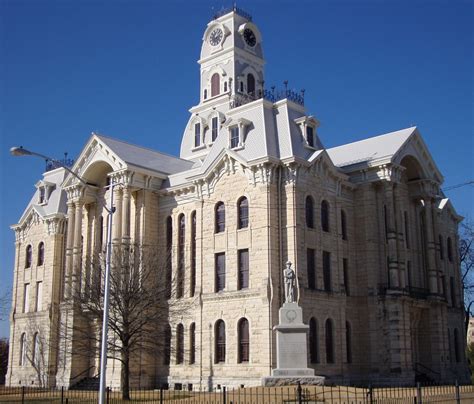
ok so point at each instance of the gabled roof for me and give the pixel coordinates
(146, 158)
(373, 148)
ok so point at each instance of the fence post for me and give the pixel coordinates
(22, 394)
(107, 391)
(300, 400)
(458, 396)
(161, 394)
(369, 393)
(224, 398)
(418, 393)
(62, 394)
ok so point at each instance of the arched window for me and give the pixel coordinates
(167, 347)
(22, 361)
(28, 256)
(329, 341)
(407, 232)
(250, 84)
(348, 342)
(179, 344)
(313, 341)
(325, 216)
(225, 86)
(36, 349)
(40, 253)
(192, 343)
(441, 247)
(309, 210)
(243, 212)
(243, 335)
(343, 225)
(192, 281)
(215, 84)
(169, 250)
(457, 351)
(220, 342)
(180, 275)
(205, 94)
(241, 86)
(220, 217)
(450, 249)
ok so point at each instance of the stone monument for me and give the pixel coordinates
(291, 341)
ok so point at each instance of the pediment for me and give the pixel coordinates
(95, 154)
(320, 162)
(415, 147)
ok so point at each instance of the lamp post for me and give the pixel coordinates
(20, 151)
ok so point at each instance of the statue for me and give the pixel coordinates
(290, 283)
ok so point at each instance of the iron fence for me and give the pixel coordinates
(252, 395)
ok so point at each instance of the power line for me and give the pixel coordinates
(470, 182)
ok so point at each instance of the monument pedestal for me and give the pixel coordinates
(292, 355)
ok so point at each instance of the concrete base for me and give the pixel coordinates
(272, 381)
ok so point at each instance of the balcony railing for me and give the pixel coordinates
(53, 164)
(273, 95)
(237, 10)
(416, 293)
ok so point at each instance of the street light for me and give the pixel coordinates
(20, 151)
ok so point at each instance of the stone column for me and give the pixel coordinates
(126, 215)
(117, 218)
(400, 233)
(394, 281)
(69, 249)
(77, 248)
(430, 247)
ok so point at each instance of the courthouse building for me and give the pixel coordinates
(371, 236)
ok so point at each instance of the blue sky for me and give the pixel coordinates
(128, 69)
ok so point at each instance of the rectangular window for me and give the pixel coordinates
(39, 296)
(220, 272)
(409, 275)
(234, 137)
(215, 128)
(310, 136)
(243, 258)
(453, 293)
(327, 270)
(310, 268)
(197, 134)
(345, 274)
(407, 238)
(26, 298)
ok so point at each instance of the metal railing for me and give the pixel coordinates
(272, 95)
(236, 9)
(252, 395)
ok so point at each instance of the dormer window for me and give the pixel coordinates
(225, 86)
(310, 135)
(241, 86)
(197, 134)
(308, 125)
(237, 132)
(42, 195)
(215, 128)
(234, 137)
(205, 94)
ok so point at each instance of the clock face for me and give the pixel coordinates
(249, 37)
(216, 37)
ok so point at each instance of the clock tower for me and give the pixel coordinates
(231, 75)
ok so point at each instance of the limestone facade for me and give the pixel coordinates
(373, 241)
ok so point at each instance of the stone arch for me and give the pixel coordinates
(413, 169)
(97, 172)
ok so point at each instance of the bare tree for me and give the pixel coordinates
(36, 353)
(3, 359)
(466, 258)
(140, 306)
(5, 300)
